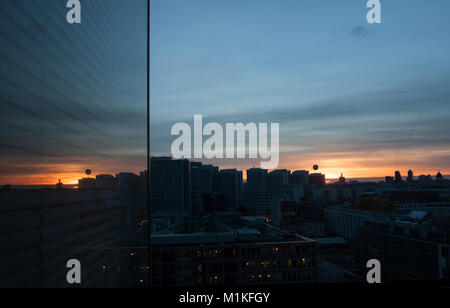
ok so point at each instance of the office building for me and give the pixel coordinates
(317, 179)
(170, 182)
(347, 222)
(299, 177)
(231, 250)
(409, 250)
(277, 179)
(256, 179)
(43, 229)
(410, 176)
(230, 184)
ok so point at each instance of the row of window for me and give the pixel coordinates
(168, 255)
(287, 277)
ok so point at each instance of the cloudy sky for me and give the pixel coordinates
(72, 97)
(352, 97)
(356, 98)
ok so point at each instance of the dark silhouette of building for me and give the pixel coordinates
(214, 202)
(299, 177)
(439, 177)
(398, 177)
(43, 229)
(86, 183)
(6, 187)
(256, 179)
(105, 181)
(204, 181)
(230, 184)
(317, 179)
(277, 179)
(425, 179)
(389, 179)
(170, 185)
(59, 185)
(407, 250)
(231, 250)
(410, 176)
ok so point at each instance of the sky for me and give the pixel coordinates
(358, 98)
(72, 96)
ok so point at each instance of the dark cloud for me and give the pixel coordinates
(405, 116)
(359, 31)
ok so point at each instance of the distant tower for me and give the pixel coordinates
(398, 177)
(59, 185)
(439, 177)
(410, 176)
(342, 179)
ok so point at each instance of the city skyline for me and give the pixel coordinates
(193, 146)
(359, 99)
(352, 97)
(73, 180)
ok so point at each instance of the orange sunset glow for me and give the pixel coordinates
(357, 165)
(351, 165)
(69, 174)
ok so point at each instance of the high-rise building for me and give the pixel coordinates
(398, 177)
(210, 175)
(196, 187)
(299, 177)
(59, 185)
(204, 181)
(259, 202)
(439, 177)
(204, 177)
(230, 183)
(128, 183)
(277, 179)
(170, 183)
(256, 179)
(214, 202)
(410, 176)
(43, 229)
(317, 179)
(196, 175)
(105, 181)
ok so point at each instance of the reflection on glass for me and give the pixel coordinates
(73, 143)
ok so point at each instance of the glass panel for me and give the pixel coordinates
(73, 143)
(360, 93)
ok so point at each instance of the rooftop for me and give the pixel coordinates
(213, 230)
